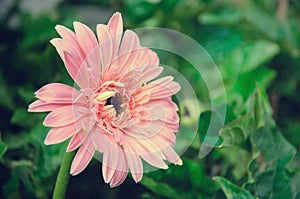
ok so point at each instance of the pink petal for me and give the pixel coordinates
(99, 140)
(86, 37)
(60, 134)
(129, 44)
(60, 117)
(172, 156)
(93, 66)
(118, 178)
(148, 151)
(82, 157)
(154, 160)
(145, 129)
(163, 109)
(121, 172)
(115, 28)
(57, 93)
(105, 44)
(62, 46)
(115, 24)
(135, 165)
(168, 136)
(77, 70)
(42, 106)
(77, 140)
(151, 73)
(70, 37)
(110, 160)
(158, 89)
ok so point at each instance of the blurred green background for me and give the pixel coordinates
(256, 46)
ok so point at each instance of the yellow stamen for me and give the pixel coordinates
(105, 95)
(113, 83)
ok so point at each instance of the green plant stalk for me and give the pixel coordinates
(62, 180)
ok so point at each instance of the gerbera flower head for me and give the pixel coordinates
(117, 109)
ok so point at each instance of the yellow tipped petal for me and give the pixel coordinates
(105, 95)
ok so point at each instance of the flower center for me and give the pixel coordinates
(116, 101)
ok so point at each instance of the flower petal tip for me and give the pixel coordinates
(179, 162)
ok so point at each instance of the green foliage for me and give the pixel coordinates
(232, 191)
(255, 153)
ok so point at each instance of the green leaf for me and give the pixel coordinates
(238, 130)
(247, 57)
(272, 153)
(160, 188)
(47, 158)
(21, 181)
(271, 178)
(188, 180)
(232, 191)
(3, 148)
(246, 83)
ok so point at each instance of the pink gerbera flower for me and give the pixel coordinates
(115, 111)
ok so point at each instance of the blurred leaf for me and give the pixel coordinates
(272, 155)
(188, 181)
(47, 158)
(38, 30)
(237, 161)
(247, 83)
(271, 179)
(21, 182)
(3, 148)
(232, 191)
(6, 97)
(26, 94)
(20, 115)
(160, 188)
(204, 122)
(226, 16)
(247, 57)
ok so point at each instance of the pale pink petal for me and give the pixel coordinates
(99, 141)
(82, 157)
(110, 159)
(77, 71)
(149, 152)
(77, 140)
(62, 46)
(115, 28)
(151, 73)
(135, 165)
(57, 93)
(172, 156)
(145, 129)
(129, 44)
(154, 160)
(70, 37)
(86, 37)
(60, 117)
(60, 134)
(168, 136)
(161, 92)
(158, 89)
(105, 44)
(162, 109)
(121, 171)
(102, 34)
(93, 66)
(42, 106)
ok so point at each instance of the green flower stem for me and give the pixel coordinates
(62, 180)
